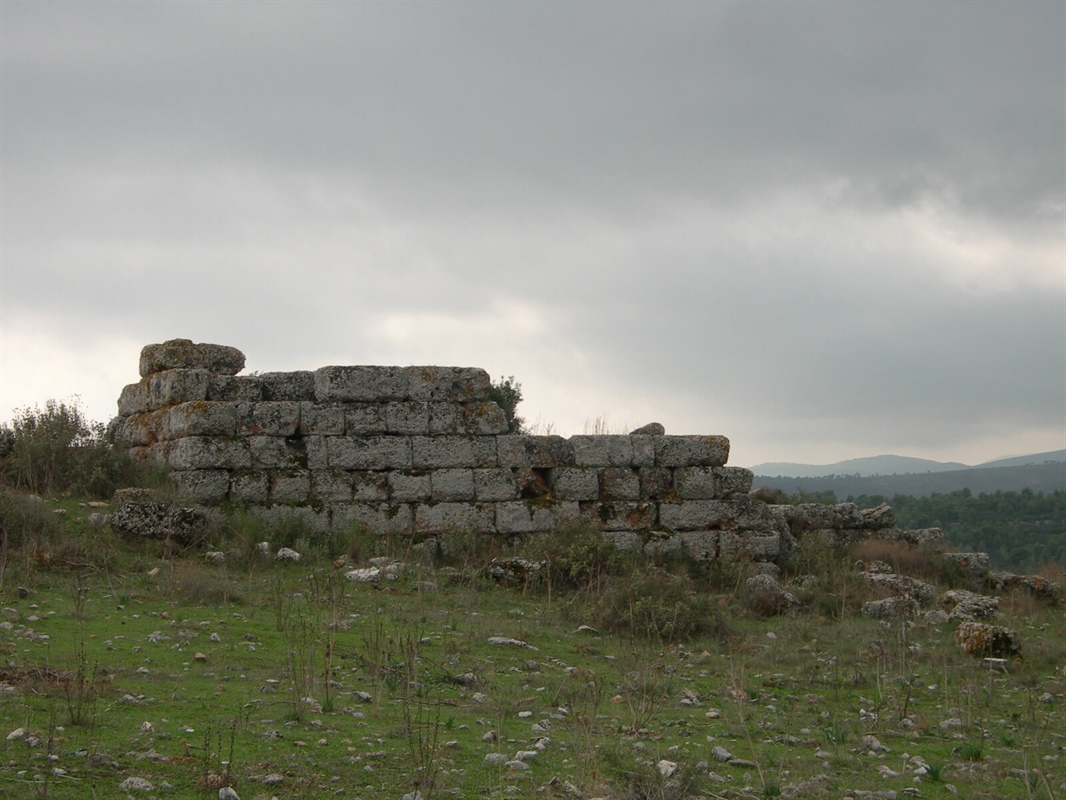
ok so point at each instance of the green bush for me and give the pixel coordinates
(56, 450)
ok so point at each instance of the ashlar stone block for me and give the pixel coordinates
(334, 486)
(134, 399)
(619, 483)
(410, 417)
(379, 518)
(370, 486)
(452, 485)
(292, 486)
(250, 486)
(208, 452)
(445, 418)
(184, 354)
(461, 384)
(442, 452)
(691, 451)
(495, 484)
(522, 517)
(271, 418)
(369, 452)
(177, 386)
(323, 419)
(292, 386)
(605, 450)
(484, 418)
(574, 483)
(235, 388)
(408, 486)
(364, 419)
(443, 517)
(534, 451)
(202, 485)
(361, 384)
(199, 418)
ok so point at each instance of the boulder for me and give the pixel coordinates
(983, 640)
(651, 429)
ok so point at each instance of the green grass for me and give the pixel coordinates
(289, 681)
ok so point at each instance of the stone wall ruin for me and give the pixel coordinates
(423, 451)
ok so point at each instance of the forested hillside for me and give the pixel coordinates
(1020, 531)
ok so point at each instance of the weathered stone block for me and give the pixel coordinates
(700, 545)
(695, 483)
(816, 516)
(622, 516)
(410, 417)
(250, 487)
(442, 452)
(290, 487)
(370, 486)
(619, 483)
(534, 451)
(461, 384)
(452, 485)
(370, 452)
(446, 418)
(270, 452)
(626, 541)
(323, 419)
(521, 517)
(409, 486)
(334, 486)
(364, 419)
(733, 480)
(271, 418)
(444, 517)
(184, 354)
(235, 389)
(200, 418)
(361, 384)
(738, 513)
(202, 485)
(379, 518)
(656, 483)
(691, 451)
(574, 483)
(177, 386)
(484, 418)
(208, 452)
(316, 451)
(292, 386)
(643, 450)
(495, 484)
(134, 399)
(532, 483)
(603, 451)
(138, 430)
(749, 545)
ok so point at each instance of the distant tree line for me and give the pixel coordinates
(1021, 531)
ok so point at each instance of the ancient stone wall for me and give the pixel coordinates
(424, 451)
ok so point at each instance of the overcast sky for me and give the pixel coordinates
(823, 229)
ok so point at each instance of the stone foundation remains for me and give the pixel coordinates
(423, 451)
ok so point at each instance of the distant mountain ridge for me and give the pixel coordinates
(1049, 475)
(884, 465)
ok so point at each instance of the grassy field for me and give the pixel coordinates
(128, 671)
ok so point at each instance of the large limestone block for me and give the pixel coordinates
(364, 419)
(534, 517)
(656, 483)
(452, 485)
(290, 487)
(737, 513)
(296, 386)
(446, 418)
(619, 483)
(235, 389)
(691, 451)
(446, 517)
(378, 518)
(368, 452)
(208, 452)
(202, 485)
(708, 483)
(361, 384)
(138, 430)
(534, 451)
(574, 483)
(269, 418)
(750, 545)
(325, 419)
(314, 522)
(484, 418)
(367, 485)
(134, 399)
(461, 384)
(494, 484)
(623, 515)
(409, 418)
(816, 516)
(250, 486)
(177, 386)
(445, 452)
(613, 451)
(272, 452)
(184, 354)
(409, 486)
(199, 418)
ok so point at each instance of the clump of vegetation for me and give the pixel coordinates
(56, 450)
(507, 394)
